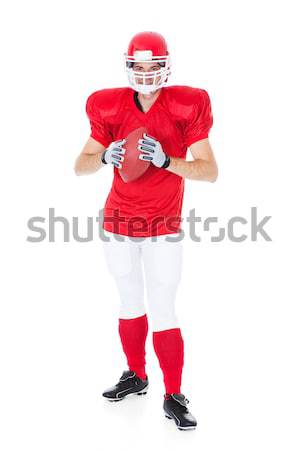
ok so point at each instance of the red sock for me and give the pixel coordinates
(169, 348)
(133, 333)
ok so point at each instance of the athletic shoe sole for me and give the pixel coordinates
(142, 392)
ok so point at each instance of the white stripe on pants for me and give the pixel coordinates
(162, 263)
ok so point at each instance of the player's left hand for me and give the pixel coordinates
(151, 150)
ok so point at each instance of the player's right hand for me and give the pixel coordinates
(113, 154)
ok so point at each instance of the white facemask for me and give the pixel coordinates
(139, 81)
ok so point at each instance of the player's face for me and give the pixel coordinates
(144, 68)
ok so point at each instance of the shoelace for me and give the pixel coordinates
(121, 380)
(185, 400)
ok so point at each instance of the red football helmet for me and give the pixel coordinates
(147, 47)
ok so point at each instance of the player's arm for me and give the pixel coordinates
(203, 167)
(94, 156)
(89, 160)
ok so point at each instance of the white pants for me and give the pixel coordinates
(162, 263)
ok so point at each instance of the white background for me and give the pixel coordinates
(238, 303)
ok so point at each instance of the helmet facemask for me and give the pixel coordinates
(147, 82)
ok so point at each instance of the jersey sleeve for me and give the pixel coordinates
(200, 121)
(99, 128)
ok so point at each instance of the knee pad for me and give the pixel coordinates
(162, 312)
(124, 265)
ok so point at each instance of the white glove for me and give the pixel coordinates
(113, 154)
(151, 150)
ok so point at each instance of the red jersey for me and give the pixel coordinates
(181, 115)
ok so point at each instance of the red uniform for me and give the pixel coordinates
(180, 116)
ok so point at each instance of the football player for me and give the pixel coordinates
(177, 118)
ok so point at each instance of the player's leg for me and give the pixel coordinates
(163, 265)
(124, 263)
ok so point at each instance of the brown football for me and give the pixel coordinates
(132, 166)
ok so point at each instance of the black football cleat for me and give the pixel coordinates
(175, 408)
(129, 384)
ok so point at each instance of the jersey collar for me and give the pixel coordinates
(154, 107)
